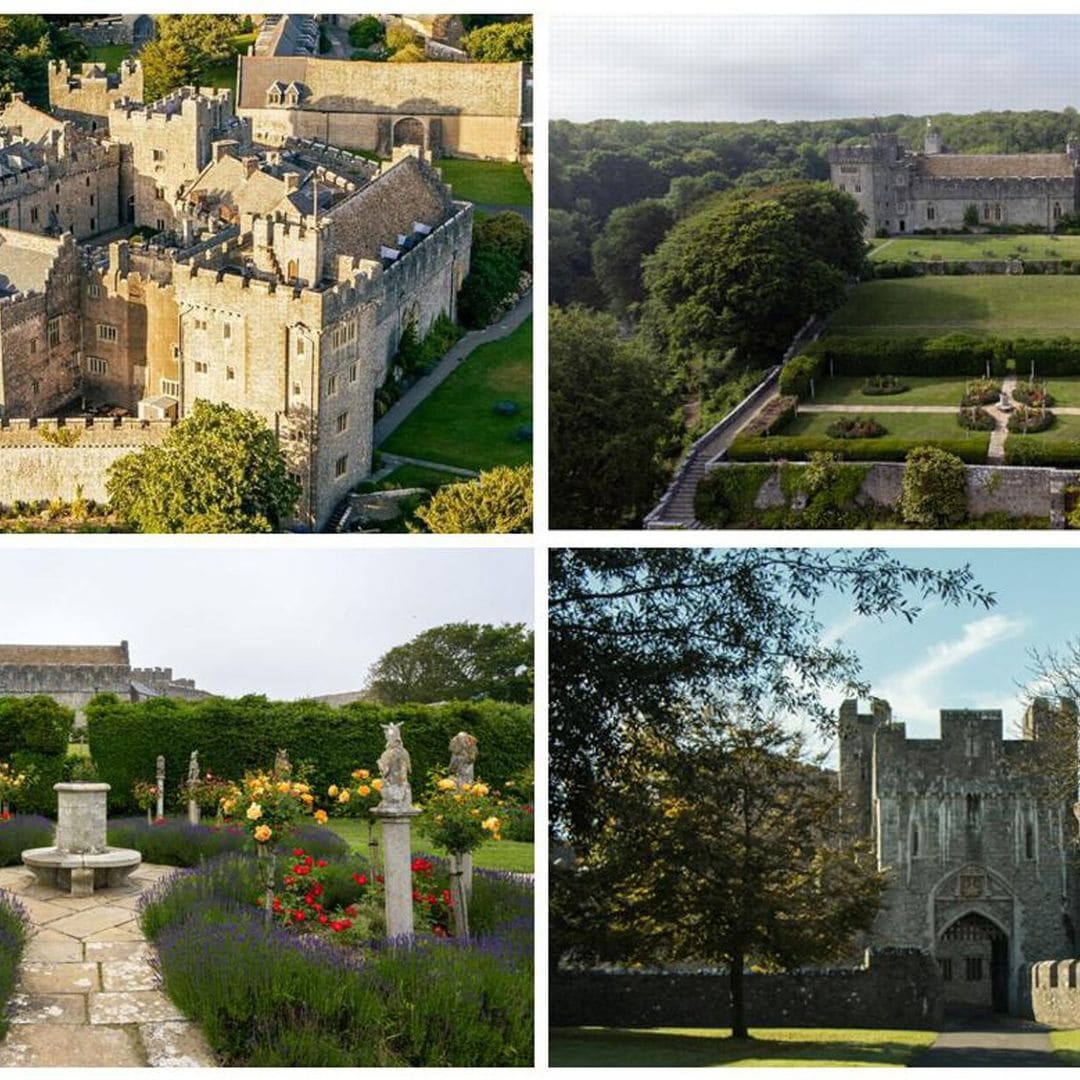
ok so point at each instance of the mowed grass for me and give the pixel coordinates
(916, 426)
(408, 476)
(224, 74)
(457, 424)
(921, 390)
(501, 183)
(1064, 429)
(109, 55)
(493, 855)
(1066, 1046)
(964, 248)
(1065, 390)
(679, 1047)
(1028, 306)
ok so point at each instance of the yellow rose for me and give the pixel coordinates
(446, 784)
(475, 812)
(360, 774)
(254, 812)
(363, 790)
(343, 797)
(320, 816)
(332, 790)
(491, 824)
(263, 833)
(228, 805)
(377, 784)
(307, 799)
(480, 789)
(283, 787)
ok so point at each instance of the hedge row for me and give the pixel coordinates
(799, 448)
(234, 735)
(951, 354)
(1028, 450)
(34, 733)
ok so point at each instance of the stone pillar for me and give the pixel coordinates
(193, 813)
(81, 817)
(161, 786)
(463, 753)
(397, 868)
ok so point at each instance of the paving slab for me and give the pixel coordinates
(129, 975)
(105, 951)
(128, 931)
(50, 978)
(176, 1044)
(131, 1007)
(51, 946)
(82, 924)
(47, 1009)
(38, 1045)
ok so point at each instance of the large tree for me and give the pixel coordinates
(497, 501)
(457, 662)
(186, 46)
(219, 470)
(631, 233)
(27, 44)
(720, 845)
(655, 632)
(610, 423)
(500, 42)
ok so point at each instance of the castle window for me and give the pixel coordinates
(93, 224)
(843, 187)
(160, 224)
(292, 270)
(973, 811)
(230, 373)
(299, 346)
(202, 367)
(33, 346)
(973, 968)
(930, 212)
(997, 211)
(341, 466)
(57, 189)
(200, 324)
(342, 423)
(159, 192)
(35, 386)
(858, 187)
(88, 184)
(296, 389)
(106, 332)
(946, 968)
(93, 291)
(5, 218)
(226, 331)
(1057, 211)
(986, 211)
(34, 212)
(1029, 842)
(54, 331)
(331, 385)
(170, 388)
(159, 155)
(352, 372)
(914, 841)
(91, 200)
(96, 365)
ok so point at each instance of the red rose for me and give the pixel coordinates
(298, 916)
(298, 852)
(321, 862)
(324, 919)
(337, 927)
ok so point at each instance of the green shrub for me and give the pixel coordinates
(36, 723)
(725, 496)
(904, 268)
(971, 449)
(975, 418)
(883, 386)
(493, 276)
(934, 490)
(46, 770)
(1029, 421)
(951, 354)
(1063, 454)
(797, 374)
(855, 427)
(365, 32)
(234, 735)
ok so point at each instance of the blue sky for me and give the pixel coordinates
(965, 657)
(282, 621)
(814, 67)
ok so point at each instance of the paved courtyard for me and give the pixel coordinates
(87, 992)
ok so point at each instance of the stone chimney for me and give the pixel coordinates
(251, 164)
(224, 148)
(292, 181)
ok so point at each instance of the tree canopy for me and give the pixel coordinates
(27, 44)
(631, 233)
(219, 470)
(186, 46)
(497, 501)
(456, 662)
(500, 42)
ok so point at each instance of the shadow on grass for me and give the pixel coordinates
(766, 1047)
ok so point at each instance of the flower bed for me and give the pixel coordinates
(1028, 421)
(883, 385)
(21, 831)
(975, 418)
(1033, 394)
(297, 994)
(855, 427)
(981, 392)
(14, 933)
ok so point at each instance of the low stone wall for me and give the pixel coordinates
(1019, 491)
(37, 463)
(1049, 992)
(895, 988)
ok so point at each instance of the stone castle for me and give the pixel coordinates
(903, 191)
(978, 839)
(73, 674)
(277, 279)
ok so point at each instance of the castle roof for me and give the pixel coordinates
(982, 166)
(430, 88)
(287, 35)
(64, 655)
(34, 124)
(25, 262)
(229, 182)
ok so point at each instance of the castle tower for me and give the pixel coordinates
(876, 176)
(932, 140)
(856, 735)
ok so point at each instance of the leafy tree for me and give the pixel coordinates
(219, 470)
(400, 37)
(722, 846)
(971, 215)
(186, 46)
(612, 179)
(408, 54)
(631, 233)
(456, 662)
(609, 423)
(498, 501)
(27, 44)
(506, 231)
(500, 42)
(570, 278)
(663, 632)
(934, 490)
(493, 277)
(365, 32)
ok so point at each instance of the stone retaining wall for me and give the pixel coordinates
(895, 988)
(1049, 992)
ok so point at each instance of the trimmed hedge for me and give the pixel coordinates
(971, 449)
(233, 735)
(34, 733)
(796, 374)
(1031, 450)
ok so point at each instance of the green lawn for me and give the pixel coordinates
(1064, 429)
(963, 248)
(500, 182)
(1066, 1046)
(493, 855)
(1030, 306)
(1065, 389)
(109, 55)
(407, 476)
(224, 74)
(675, 1047)
(922, 390)
(916, 426)
(457, 424)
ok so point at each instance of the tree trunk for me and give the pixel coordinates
(738, 1005)
(460, 900)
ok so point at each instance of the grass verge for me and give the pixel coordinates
(499, 183)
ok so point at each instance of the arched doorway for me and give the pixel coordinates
(973, 954)
(409, 132)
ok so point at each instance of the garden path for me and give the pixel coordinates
(990, 1040)
(995, 455)
(88, 994)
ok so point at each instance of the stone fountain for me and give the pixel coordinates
(81, 860)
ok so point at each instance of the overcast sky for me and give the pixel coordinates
(282, 623)
(965, 658)
(816, 67)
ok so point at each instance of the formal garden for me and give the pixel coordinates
(347, 887)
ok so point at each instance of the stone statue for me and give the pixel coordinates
(394, 765)
(160, 769)
(160, 808)
(193, 768)
(282, 765)
(463, 757)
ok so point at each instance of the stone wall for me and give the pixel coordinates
(1049, 993)
(895, 988)
(32, 467)
(88, 95)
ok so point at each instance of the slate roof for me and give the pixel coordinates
(95, 655)
(982, 166)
